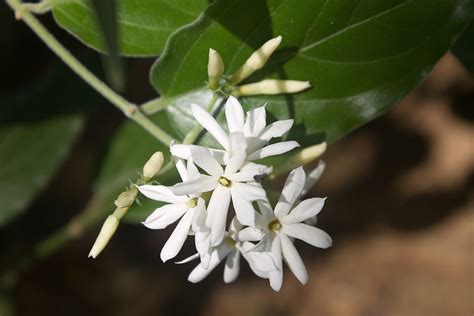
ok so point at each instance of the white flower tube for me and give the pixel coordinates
(273, 86)
(257, 60)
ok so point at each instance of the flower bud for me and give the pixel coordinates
(215, 69)
(126, 199)
(257, 60)
(153, 165)
(273, 86)
(106, 232)
(311, 153)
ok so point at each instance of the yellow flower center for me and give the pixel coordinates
(225, 182)
(191, 203)
(231, 242)
(274, 225)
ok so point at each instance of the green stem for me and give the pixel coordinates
(41, 7)
(194, 133)
(129, 109)
(154, 105)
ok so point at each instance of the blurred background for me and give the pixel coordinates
(400, 209)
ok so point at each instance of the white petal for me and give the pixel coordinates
(255, 122)
(165, 215)
(250, 171)
(199, 219)
(203, 246)
(182, 151)
(243, 209)
(309, 234)
(306, 209)
(202, 157)
(250, 234)
(201, 184)
(199, 273)
(161, 193)
(276, 280)
(291, 192)
(234, 115)
(266, 215)
(275, 249)
(276, 277)
(293, 259)
(251, 191)
(217, 212)
(313, 177)
(276, 129)
(219, 155)
(188, 259)
(273, 150)
(180, 165)
(210, 124)
(238, 153)
(261, 263)
(191, 170)
(174, 244)
(232, 266)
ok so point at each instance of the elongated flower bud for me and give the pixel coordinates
(273, 86)
(106, 232)
(215, 69)
(257, 60)
(311, 153)
(153, 165)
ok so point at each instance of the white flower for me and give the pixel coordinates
(285, 223)
(180, 206)
(254, 129)
(235, 244)
(227, 184)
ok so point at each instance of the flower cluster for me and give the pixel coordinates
(218, 180)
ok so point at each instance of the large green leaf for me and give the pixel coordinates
(106, 14)
(38, 124)
(360, 55)
(464, 48)
(29, 154)
(144, 25)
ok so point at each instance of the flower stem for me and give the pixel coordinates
(129, 109)
(194, 133)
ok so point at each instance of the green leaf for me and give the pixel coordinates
(37, 128)
(40, 99)
(144, 25)
(360, 56)
(464, 48)
(106, 14)
(30, 153)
